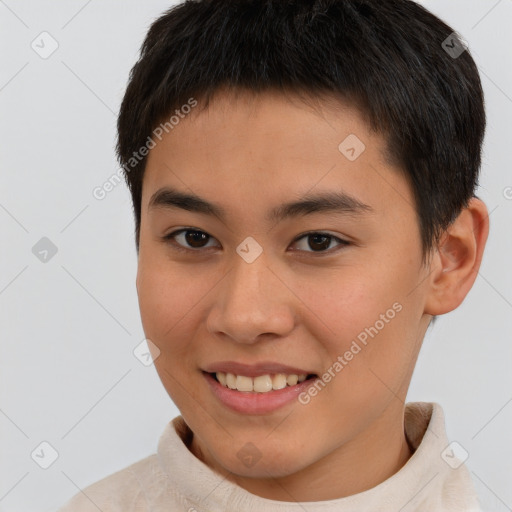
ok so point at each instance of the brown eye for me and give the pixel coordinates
(320, 242)
(188, 239)
(196, 239)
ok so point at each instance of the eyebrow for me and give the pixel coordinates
(327, 202)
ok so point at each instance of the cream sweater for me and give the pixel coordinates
(174, 479)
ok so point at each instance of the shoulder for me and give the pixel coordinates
(117, 492)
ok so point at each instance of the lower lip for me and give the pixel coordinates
(252, 402)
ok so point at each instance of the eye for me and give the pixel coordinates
(319, 242)
(195, 238)
(192, 239)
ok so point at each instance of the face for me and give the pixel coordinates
(330, 287)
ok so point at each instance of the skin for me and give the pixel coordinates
(249, 153)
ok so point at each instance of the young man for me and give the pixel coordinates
(303, 178)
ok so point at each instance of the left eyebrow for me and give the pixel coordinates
(335, 202)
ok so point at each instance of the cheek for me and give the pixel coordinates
(365, 318)
(166, 295)
(345, 305)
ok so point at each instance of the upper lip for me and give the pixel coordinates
(254, 370)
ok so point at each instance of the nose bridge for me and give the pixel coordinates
(252, 301)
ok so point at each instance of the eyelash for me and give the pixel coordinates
(169, 239)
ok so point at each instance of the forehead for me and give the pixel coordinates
(235, 115)
(248, 148)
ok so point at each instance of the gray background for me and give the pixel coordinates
(68, 375)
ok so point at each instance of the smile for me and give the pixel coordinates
(259, 384)
(257, 395)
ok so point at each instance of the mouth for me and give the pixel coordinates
(260, 384)
(258, 388)
(259, 395)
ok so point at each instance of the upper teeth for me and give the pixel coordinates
(261, 384)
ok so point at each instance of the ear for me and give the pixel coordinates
(457, 258)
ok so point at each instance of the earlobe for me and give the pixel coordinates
(457, 259)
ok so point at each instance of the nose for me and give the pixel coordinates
(252, 302)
